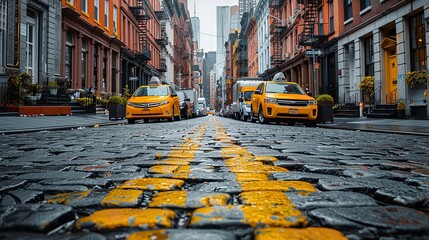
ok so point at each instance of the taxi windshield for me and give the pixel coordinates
(152, 91)
(284, 88)
(248, 95)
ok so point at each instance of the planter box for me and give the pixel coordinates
(325, 113)
(117, 111)
(38, 110)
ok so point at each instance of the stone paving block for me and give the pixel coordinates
(111, 219)
(330, 199)
(374, 221)
(259, 168)
(421, 172)
(403, 195)
(182, 234)
(88, 182)
(54, 175)
(254, 216)
(34, 217)
(154, 184)
(406, 166)
(189, 199)
(356, 184)
(374, 173)
(199, 176)
(246, 177)
(300, 176)
(122, 198)
(108, 168)
(20, 196)
(56, 188)
(40, 236)
(276, 185)
(272, 198)
(11, 184)
(225, 187)
(308, 233)
(121, 177)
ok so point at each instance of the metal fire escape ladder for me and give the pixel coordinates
(275, 31)
(141, 13)
(307, 36)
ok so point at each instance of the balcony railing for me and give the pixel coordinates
(163, 41)
(144, 55)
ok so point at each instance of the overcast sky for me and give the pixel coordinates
(206, 12)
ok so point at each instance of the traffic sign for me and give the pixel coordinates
(311, 52)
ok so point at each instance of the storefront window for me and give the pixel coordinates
(418, 43)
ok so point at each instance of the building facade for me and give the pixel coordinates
(209, 63)
(262, 17)
(29, 40)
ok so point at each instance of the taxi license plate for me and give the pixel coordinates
(293, 111)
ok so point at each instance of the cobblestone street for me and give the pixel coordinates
(213, 178)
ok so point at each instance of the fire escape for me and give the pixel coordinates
(141, 13)
(276, 29)
(307, 37)
(163, 40)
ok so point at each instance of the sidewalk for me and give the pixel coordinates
(39, 123)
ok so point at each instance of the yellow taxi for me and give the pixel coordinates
(282, 101)
(153, 101)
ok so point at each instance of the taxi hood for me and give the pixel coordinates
(149, 99)
(289, 96)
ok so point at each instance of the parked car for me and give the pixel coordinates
(283, 101)
(153, 101)
(185, 107)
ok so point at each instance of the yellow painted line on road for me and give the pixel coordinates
(246, 177)
(122, 197)
(178, 199)
(110, 219)
(66, 198)
(310, 233)
(155, 184)
(272, 198)
(277, 185)
(256, 169)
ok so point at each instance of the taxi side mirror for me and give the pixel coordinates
(257, 92)
(174, 94)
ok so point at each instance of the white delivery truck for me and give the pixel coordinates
(202, 107)
(192, 95)
(242, 92)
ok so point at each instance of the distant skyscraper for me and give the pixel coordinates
(246, 5)
(235, 18)
(195, 21)
(209, 63)
(223, 17)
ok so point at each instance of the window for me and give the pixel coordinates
(31, 44)
(331, 17)
(84, 6)
(418, 43)
(115, 19)
(83, 66)
(364, 4)
(348, 9)
(321, 22)
(69, 54)
(106, 13)
(3, 19)
(369, 56)
(71, 2)
(97, 10)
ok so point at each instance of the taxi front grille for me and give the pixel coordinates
(293, 103)
(145, 105)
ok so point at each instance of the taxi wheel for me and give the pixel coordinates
(178, 118)
(261, 116)
(252, 117)
(172, 115)
(310, 123)
(131, 121)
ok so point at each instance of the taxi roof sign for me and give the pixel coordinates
(279, 77)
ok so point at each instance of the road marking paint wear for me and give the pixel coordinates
(109, 219)
(122, 198)
(149, 235)
(276, 185)
(310, 233)
(67, 198)
(272, 198)
(155, 184)
(182, 199)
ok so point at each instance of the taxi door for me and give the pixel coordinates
(257, 98)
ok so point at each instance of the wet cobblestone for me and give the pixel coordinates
(213, 178)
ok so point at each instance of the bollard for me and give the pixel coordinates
(361, 109)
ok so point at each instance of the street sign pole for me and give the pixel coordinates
(314, 75)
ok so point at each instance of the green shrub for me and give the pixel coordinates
(400, 106)
(117, 100)
(324, 99)
(84, 102)
(17, 89)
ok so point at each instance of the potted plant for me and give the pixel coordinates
(325, 111)
(17, 89)
(415, 77)
(117, 107)
(400, 110)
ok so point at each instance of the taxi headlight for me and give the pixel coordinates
(270, 100)
(312, 102)
(164, 103)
